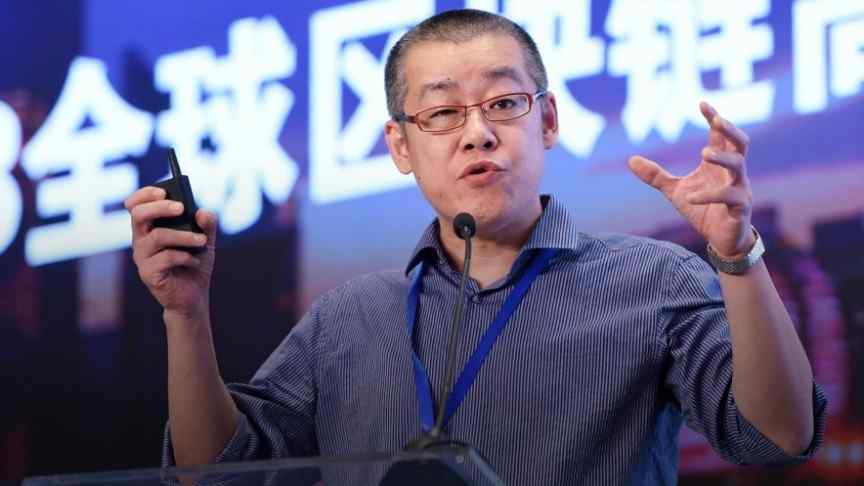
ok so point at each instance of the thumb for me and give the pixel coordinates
(208, 222)
(651, 173)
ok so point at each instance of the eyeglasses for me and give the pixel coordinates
(447, 117)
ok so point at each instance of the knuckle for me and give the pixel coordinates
(178, 258)
(141, 249)
(193, 239)
(153, 192)
(150, 244)
(147, 246)
(137, 251)
(160, 237)
(142, 214)
(135, 212)
(160, 263)
(147, 275)
(151, 265)
(171, 258)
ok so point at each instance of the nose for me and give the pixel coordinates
(477, 132)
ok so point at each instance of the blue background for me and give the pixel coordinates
(84, 397)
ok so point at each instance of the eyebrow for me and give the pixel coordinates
(440, 85)
(503, 72)
(494, 74)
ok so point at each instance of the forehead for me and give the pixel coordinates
(465, 68)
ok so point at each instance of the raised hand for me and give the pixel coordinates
(715, 197)
(178, 280)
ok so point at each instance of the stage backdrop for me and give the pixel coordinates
(276, 111)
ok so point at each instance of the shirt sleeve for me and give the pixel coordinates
(699, 374)
(277, 407)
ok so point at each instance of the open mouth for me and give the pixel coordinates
(480, 168)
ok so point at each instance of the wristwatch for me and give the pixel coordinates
(738, 265)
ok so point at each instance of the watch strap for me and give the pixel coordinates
(739, 265)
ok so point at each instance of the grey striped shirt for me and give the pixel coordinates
(618, 341)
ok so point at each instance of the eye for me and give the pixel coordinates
(505, 103)
(442, 113)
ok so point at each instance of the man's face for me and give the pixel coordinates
(489, 169)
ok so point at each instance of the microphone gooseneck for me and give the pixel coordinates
(443, 468)
(465, 228)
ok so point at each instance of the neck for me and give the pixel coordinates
(493, 249)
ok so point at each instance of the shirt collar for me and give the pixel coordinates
(554, 229)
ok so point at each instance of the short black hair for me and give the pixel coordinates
(456, 26)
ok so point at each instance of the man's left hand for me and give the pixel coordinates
(715, 197)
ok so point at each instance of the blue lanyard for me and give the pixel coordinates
(469, 373)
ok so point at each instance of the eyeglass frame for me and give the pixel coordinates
(532, 98)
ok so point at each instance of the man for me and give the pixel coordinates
(616, 342)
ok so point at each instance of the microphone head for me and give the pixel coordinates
(464, 226)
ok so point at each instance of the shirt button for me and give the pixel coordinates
(475, 298)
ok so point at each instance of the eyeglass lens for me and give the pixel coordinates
(501, 108)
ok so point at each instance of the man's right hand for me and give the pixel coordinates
(179, 280)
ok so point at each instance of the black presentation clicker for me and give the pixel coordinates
(177, 188)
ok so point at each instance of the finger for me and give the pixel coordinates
(708, 111)
(164, 238)
(651, 173)
(144, 195)
(733, 161)
(206, 221)
(716, 139)
(143, 214)
(165, 261)
(721, 127)
(729, 195)
(733, 134)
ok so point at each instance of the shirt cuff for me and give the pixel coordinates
(240, 447)
(757, 449)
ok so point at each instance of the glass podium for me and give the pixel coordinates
(453, 466)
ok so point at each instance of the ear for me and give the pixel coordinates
(549, 116)
(397, 143)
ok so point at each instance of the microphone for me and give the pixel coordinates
(434, 472)
(465, 228)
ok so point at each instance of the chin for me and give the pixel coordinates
(490, 214)
(494, 208)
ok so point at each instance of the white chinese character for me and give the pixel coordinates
(89, 127)
(340, 163)
(733, 49)
(845, 19)
(661, 49)
(562, 31)
(10, 194)
(242, 115)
